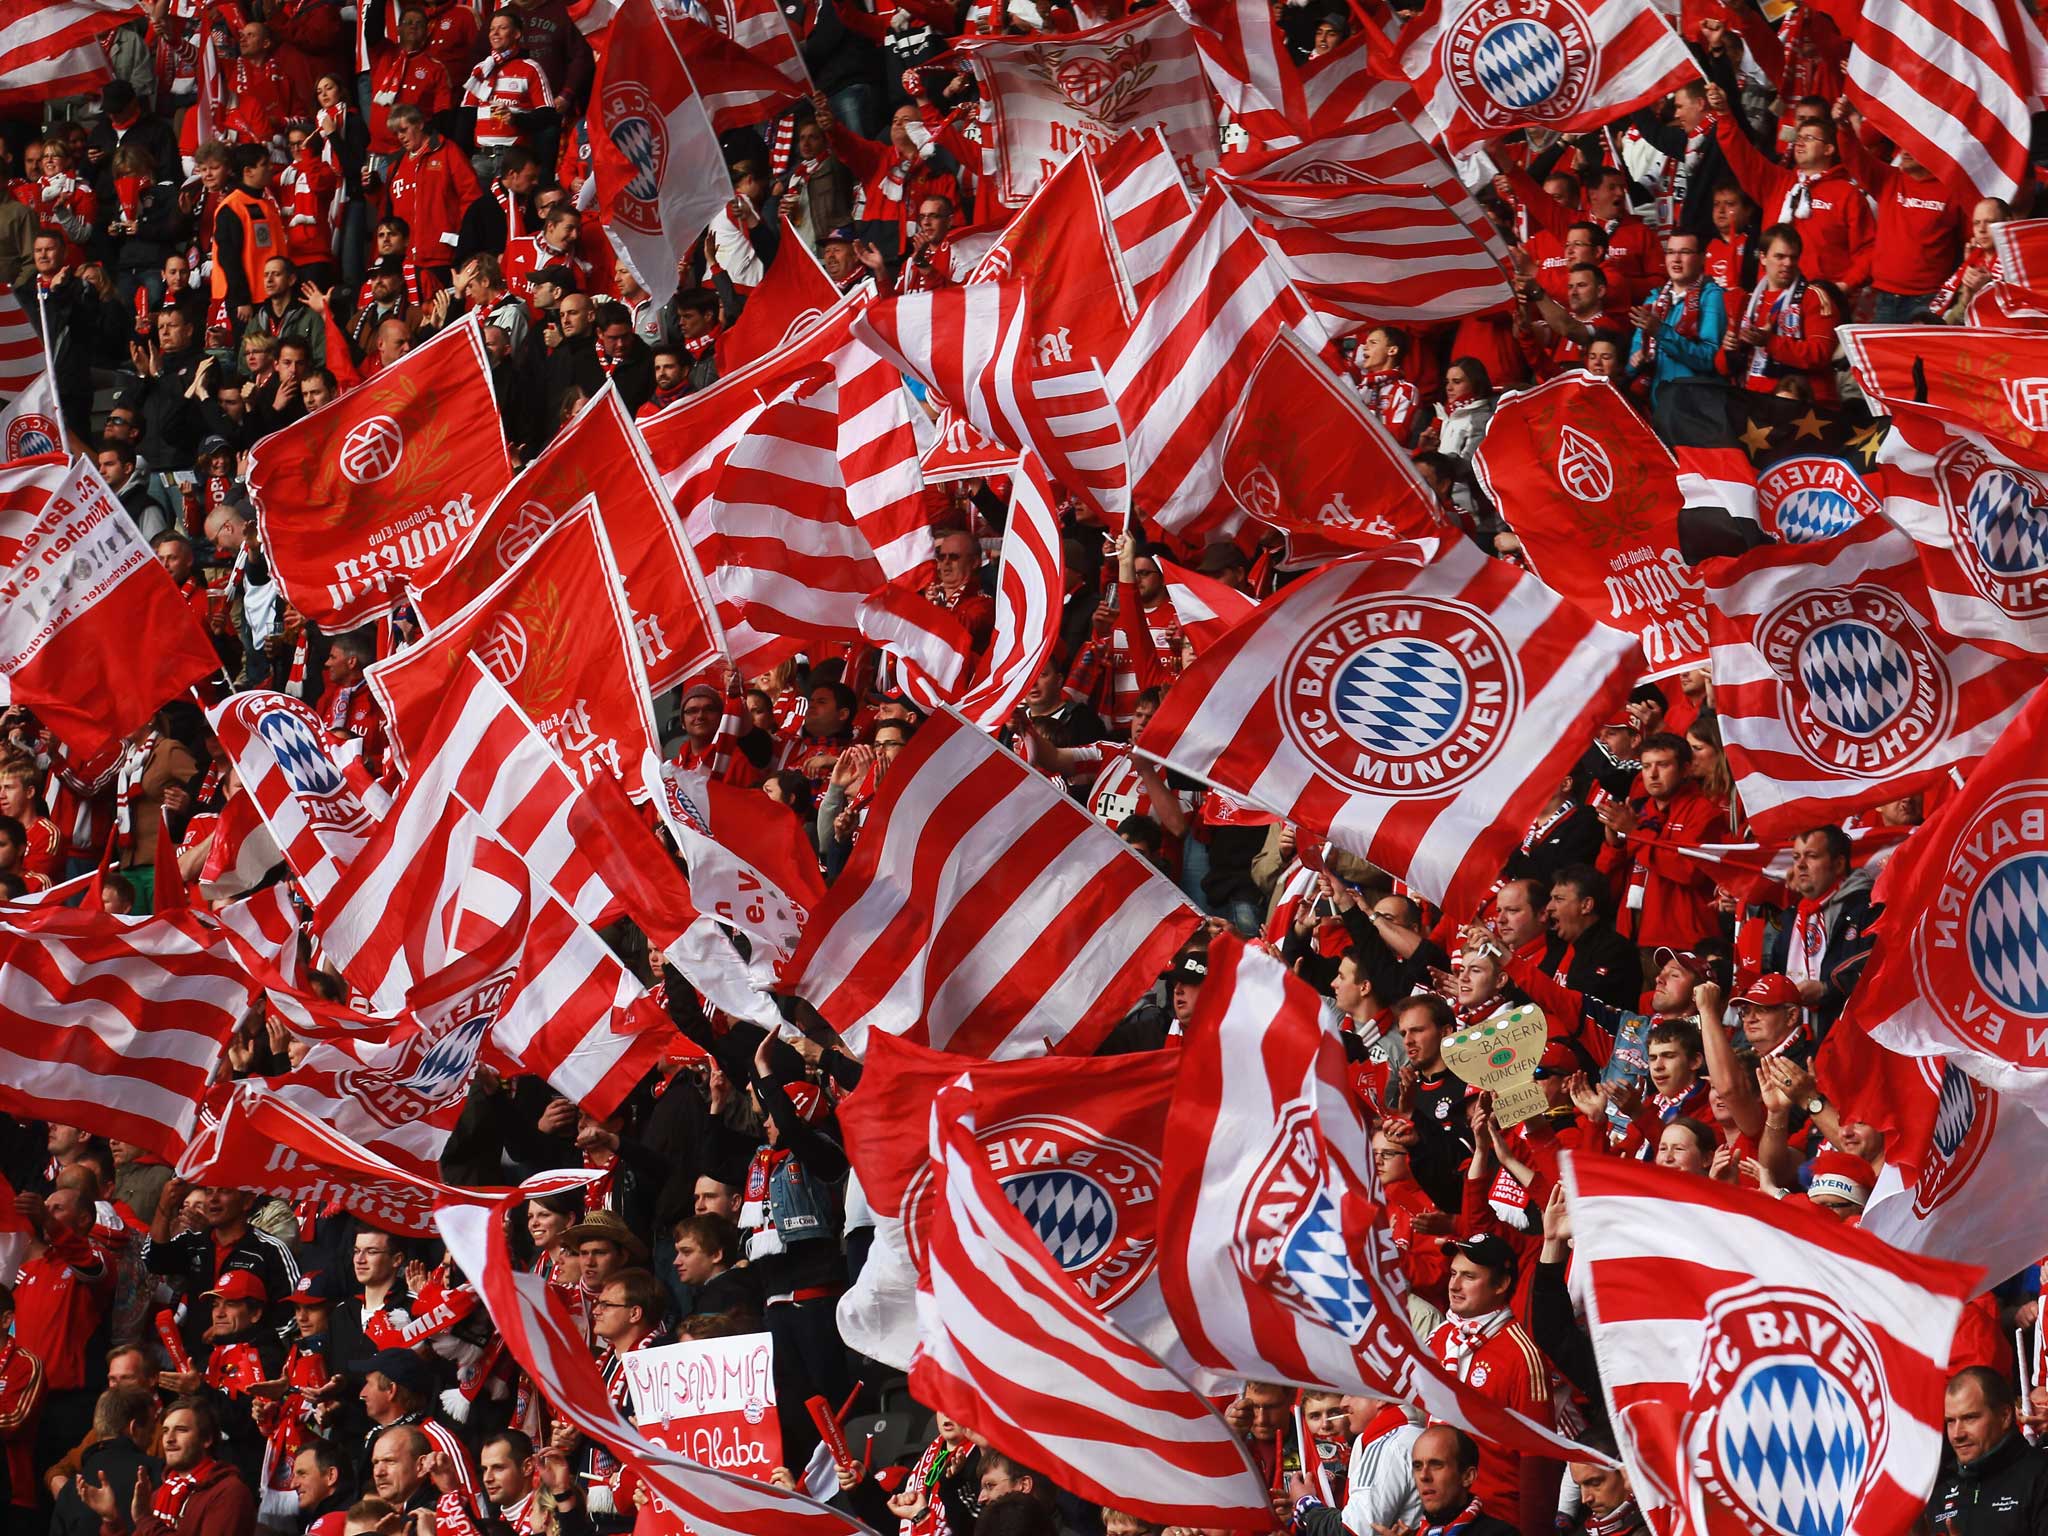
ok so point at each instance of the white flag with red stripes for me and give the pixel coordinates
(1766, 1366)
(1178, 380)
(1247, 61)
(983, 912)
(549, 1342)
(1273, 1258)
(1146, 201)
(973, 344)
(1009, 1342)
(52, 48)
(320, 811)
(113, 1024)
(21, 356)
(1955, 84)
(1835, 689)
(1388, 254)
(1416, 706)
(1482, 69)
(760, 27)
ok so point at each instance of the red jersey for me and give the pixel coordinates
(431, 189)
(1670, 895)
(453, 36)
(528, 254)
(1833, 218)
(265, 96)
(59, 1298)
(351, 711)
(1507, 1367)
(398, 76)
(304, 190)
(891, 188)
(1801, 324)
(1394, 400)
(514, 82)
(1921, 229)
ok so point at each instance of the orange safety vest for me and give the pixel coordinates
(262, 238)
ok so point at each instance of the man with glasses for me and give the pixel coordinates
(957, 555)
(378, 1267)
(1815, 195)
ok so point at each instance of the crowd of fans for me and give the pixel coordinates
(200, 1361)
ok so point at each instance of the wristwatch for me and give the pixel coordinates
(1815, 1104)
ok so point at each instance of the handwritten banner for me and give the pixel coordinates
(713, 1400)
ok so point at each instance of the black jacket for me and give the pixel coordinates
(2002, 1494)
(117, 1460)
(1848, 914)
(187, 1259)
(1604, 965)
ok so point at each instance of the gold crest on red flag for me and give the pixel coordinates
(1593, 496)
(597, 460)
(557, 635)
(375, 493)
(1963, 378)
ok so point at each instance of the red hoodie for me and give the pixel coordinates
(1837, 229)
(1920, 228)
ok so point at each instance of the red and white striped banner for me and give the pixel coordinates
(1246, 60)
(1053, 96)
(983, 912)
(550, 1343)
(113, 1024)
(1206, 608)
(1387, 254)
(52, 48)
(1705, 1302)
(320, 811)
(1416, 706)
(1178, 379)
(21, 352)
(1954, 83)
(1145, 198)
(738, 88)
(1008, 1337)
(759, 27)
(1835, 689)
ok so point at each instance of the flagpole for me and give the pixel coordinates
(50, 366)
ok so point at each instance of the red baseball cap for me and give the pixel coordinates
(1776, 990)
(241, 1285)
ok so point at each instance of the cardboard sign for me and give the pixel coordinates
(1500, 1057)
(711, 1399)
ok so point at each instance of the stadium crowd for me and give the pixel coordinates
(204, 1362)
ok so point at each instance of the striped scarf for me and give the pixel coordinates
(133, 765)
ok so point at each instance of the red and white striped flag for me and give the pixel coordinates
(1052, 96)
(268, 924)
(1179, 377)
(1030, 588)
(21, 352)
(52, 48)
(759, 27)
(972, 343)
(1482, 70)
(1146, 200)
(983, 912)
(416, 899)
(1335, 87)
(1415, 706)
(1766, 1366)
(1956, 85)
(1205, 607)
(1009, 1339)
(549, 1342)
(738, 88)
(788, 554)
(320, 811)
(2020, 249)
(877, 446)
(1246, 60)
(1835, 689)
(114, 1024)
(1387, 254)
(1272, 1257)
(240, 851)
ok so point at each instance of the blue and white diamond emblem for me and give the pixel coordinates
(1071, 1213)
(1815, 513)
(2005, 523)
(1400, 697)
(1793, 1442)
(1858, 679)
(1521, 63)
(1315, 1260)
(299, 753)
(2009, 934)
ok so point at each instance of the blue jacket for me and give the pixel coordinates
(1679, 356)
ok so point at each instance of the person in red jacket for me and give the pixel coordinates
(1921, 226)
(305, 189)
(894, 177)
(454, 36)
(1631, 258)
(431, 188)
(1785, 327)
(1815, 194)
(407, 73)
(1483, 1346)
(1670, 898)
(201, 1495)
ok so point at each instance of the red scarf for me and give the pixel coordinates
(168, 1503)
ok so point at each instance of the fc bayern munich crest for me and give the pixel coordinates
(1258, 492)
(1812, 497)
(640, 129)
(1092, 1200)
(1512, 62)
(31, 434)
(432, 1069)
(1290, 1229)
(1964, 1118)
(1583, 467)
(1400, 696)
(2027, 399)
(1998, 523)
(1978, 957)
(1867, 694)
(1788, 1423)
(293, 734)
